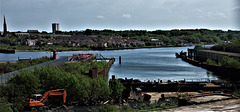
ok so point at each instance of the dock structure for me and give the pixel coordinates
(101, 57)
(93, 73)
(176, 86)
(203, 55)
(200, 56)
(192, 53)
(214, 55)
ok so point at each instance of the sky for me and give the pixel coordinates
(23, 15)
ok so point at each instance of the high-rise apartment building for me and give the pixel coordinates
(55, 27)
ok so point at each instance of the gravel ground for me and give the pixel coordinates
(232, 105)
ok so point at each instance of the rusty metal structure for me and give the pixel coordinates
(81, 57)
(176, 86)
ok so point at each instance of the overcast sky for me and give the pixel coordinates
(22, 15)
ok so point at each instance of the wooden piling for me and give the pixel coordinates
(120, 60)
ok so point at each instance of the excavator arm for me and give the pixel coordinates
(55, 92)
(33, 103)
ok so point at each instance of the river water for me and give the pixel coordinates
(144, 64)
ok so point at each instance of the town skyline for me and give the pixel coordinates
(134, 15)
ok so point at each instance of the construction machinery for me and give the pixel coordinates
(32, 103)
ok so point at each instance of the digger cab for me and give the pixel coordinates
(37, 97)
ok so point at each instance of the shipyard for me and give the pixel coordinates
(119, 56)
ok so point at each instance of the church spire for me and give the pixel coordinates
(4, 27)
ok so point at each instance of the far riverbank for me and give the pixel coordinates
(61, 48)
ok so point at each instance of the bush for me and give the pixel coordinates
(117, 88)
(227, 61)
(45, 78)
(4, 105)
(99, 87)
(184, 95)
(236, 93)
(108, 108)
(101, 65)
(210, 62)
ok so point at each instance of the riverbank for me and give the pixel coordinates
(61, 48)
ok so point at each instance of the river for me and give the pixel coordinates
(144, 64)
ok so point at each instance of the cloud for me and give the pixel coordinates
(213, 15)
(126, 16)
(237, 8)
(222, 15)
(100, 17)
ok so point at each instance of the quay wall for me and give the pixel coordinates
(223, 72)
(203, 55)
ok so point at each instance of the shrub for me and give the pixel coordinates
(184, 95)
(227, 61)
(236, 93)
(108, 108)
(99, 87)
(4, 105)
(101, 65)
(117, 88)
(210, 62)
(45, 78)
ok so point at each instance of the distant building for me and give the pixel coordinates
(33, 31)
(22, 34)
(55, 27)
(4, 27)
(31, 42)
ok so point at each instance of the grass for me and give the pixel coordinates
(143, 108)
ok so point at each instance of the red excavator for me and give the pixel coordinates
(30, 103)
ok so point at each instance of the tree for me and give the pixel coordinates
(100, 88)
(117, 88)
(48, 36)
(6, 40)
(88, 32)
(165, 39)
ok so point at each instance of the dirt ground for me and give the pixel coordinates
(232, 105)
